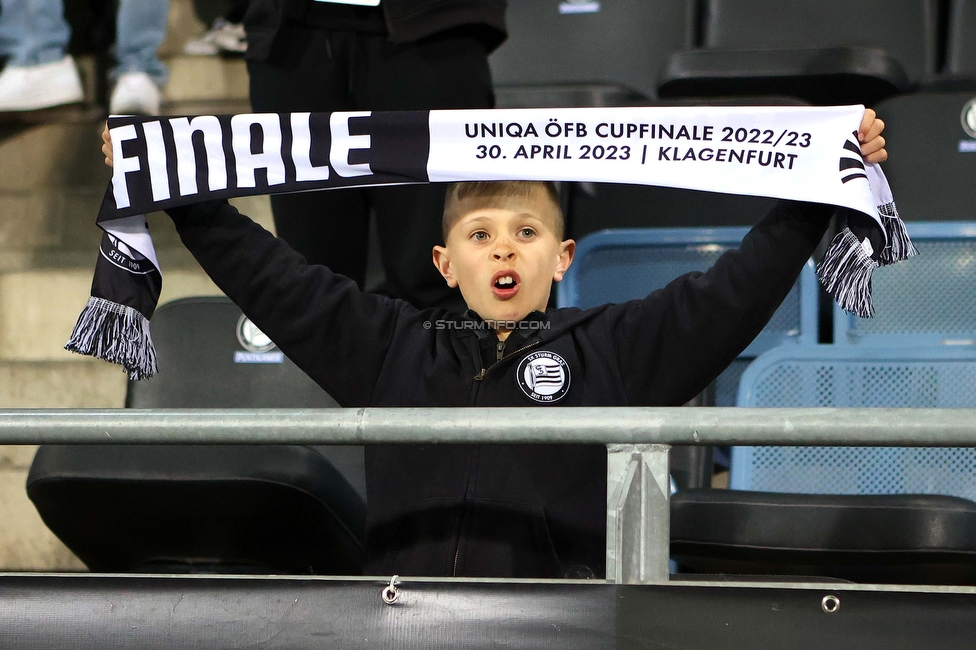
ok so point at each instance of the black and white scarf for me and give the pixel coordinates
(804, 154)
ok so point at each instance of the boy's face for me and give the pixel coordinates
(504, 258)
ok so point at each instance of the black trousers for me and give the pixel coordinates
(320, 70)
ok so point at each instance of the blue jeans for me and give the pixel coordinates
(33, 32)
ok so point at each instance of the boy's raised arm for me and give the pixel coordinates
(671, 344)
(333, 331)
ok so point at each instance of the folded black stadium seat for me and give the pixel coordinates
(588, 53)
(915, 539)
(961, 45)
(596, 206)
(959, 72)
(188, 508)
(931, 140)
(823, 51)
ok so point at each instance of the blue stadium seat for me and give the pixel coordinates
(881, 515)
(818, 50)
(588, 53)
(926, 300)
(621, 265)
(847, 376)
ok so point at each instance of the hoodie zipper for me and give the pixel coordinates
(501, 356)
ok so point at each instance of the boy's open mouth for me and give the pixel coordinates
(505, 284)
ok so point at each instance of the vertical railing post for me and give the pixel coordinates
(638, 513)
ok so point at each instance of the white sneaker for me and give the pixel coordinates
(223, 38)
(28, 88)
(135, 94)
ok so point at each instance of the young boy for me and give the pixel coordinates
(502, 510)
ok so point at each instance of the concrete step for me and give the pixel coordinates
(53, 155)
(203, 79)
(38, 309)
(26, 544)
(39, 304)
(73, 382)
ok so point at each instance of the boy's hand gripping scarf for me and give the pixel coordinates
(803, 154)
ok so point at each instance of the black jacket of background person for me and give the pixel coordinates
(497, 510)
(406, 20)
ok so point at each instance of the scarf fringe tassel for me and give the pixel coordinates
(117, 334)
(845, 272)
(900, 246)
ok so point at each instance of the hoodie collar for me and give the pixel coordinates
(530, 326)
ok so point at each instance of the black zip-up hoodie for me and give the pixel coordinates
(498, 510)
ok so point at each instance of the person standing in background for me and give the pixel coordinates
(40, 73)
(371, 55)
(225, 36)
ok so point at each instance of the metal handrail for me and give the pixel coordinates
(638, 441)
(626, 425)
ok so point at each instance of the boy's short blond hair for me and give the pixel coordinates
(462, 198)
